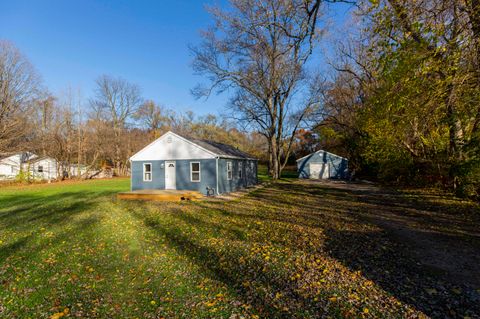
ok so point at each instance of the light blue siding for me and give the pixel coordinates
(208, 175)
(249, 174)
(158, 175)
(182, 175)
(338, 165)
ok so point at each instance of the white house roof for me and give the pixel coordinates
(41, 158)
(171, 146)
(17, 158)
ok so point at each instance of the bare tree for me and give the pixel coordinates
(116, 100)
(19, 87)
(260, 49)
(153, 117)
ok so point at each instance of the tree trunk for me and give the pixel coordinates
(274, 158)
(474, 17)
(117, 162)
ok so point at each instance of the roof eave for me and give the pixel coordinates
(237, 157)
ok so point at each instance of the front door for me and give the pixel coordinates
(170, 178)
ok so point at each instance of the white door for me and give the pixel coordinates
(170, 175)
(319, 171)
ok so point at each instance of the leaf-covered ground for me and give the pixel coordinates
(291, 249)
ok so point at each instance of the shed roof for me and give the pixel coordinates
(319, 152)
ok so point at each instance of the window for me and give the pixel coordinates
(229, 170)
(195, 171)
(147, 172)
(40, 169)
(240, 169)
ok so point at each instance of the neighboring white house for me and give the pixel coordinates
(43, 168)
(34, 166)
(10, 165)
(37, 167)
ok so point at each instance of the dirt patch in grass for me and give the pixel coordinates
(443, 232)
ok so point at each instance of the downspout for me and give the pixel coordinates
(216, 164)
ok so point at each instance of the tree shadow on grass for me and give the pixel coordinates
(252, 281)
(28, 215)
(453, 219)
(388, 257)
(23, 211)
(391, 265)
(410, 233)
(235, 233)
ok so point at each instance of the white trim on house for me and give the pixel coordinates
(229, 171)
(145, 172)
(170, 175)
(236, 157)
(192, 171)
(216, 171)
(319, 152)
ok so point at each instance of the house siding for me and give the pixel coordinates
(158, 175)
(338, 165)
(208, 176)
(182, 175)
(249, 175)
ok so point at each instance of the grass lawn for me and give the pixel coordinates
(291, 249)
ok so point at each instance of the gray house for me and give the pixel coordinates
(176, 162)
(322, 165)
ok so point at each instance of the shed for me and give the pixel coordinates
(176, 162)
(322, 165)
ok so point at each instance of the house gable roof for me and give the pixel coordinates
(171, 146)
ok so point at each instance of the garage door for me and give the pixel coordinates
(319, 171)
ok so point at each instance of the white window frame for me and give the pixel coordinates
(151, 172)
(229, 171)
(38, 169)
(199, 172)
(240, 170)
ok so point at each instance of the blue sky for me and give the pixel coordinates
(71, 43)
